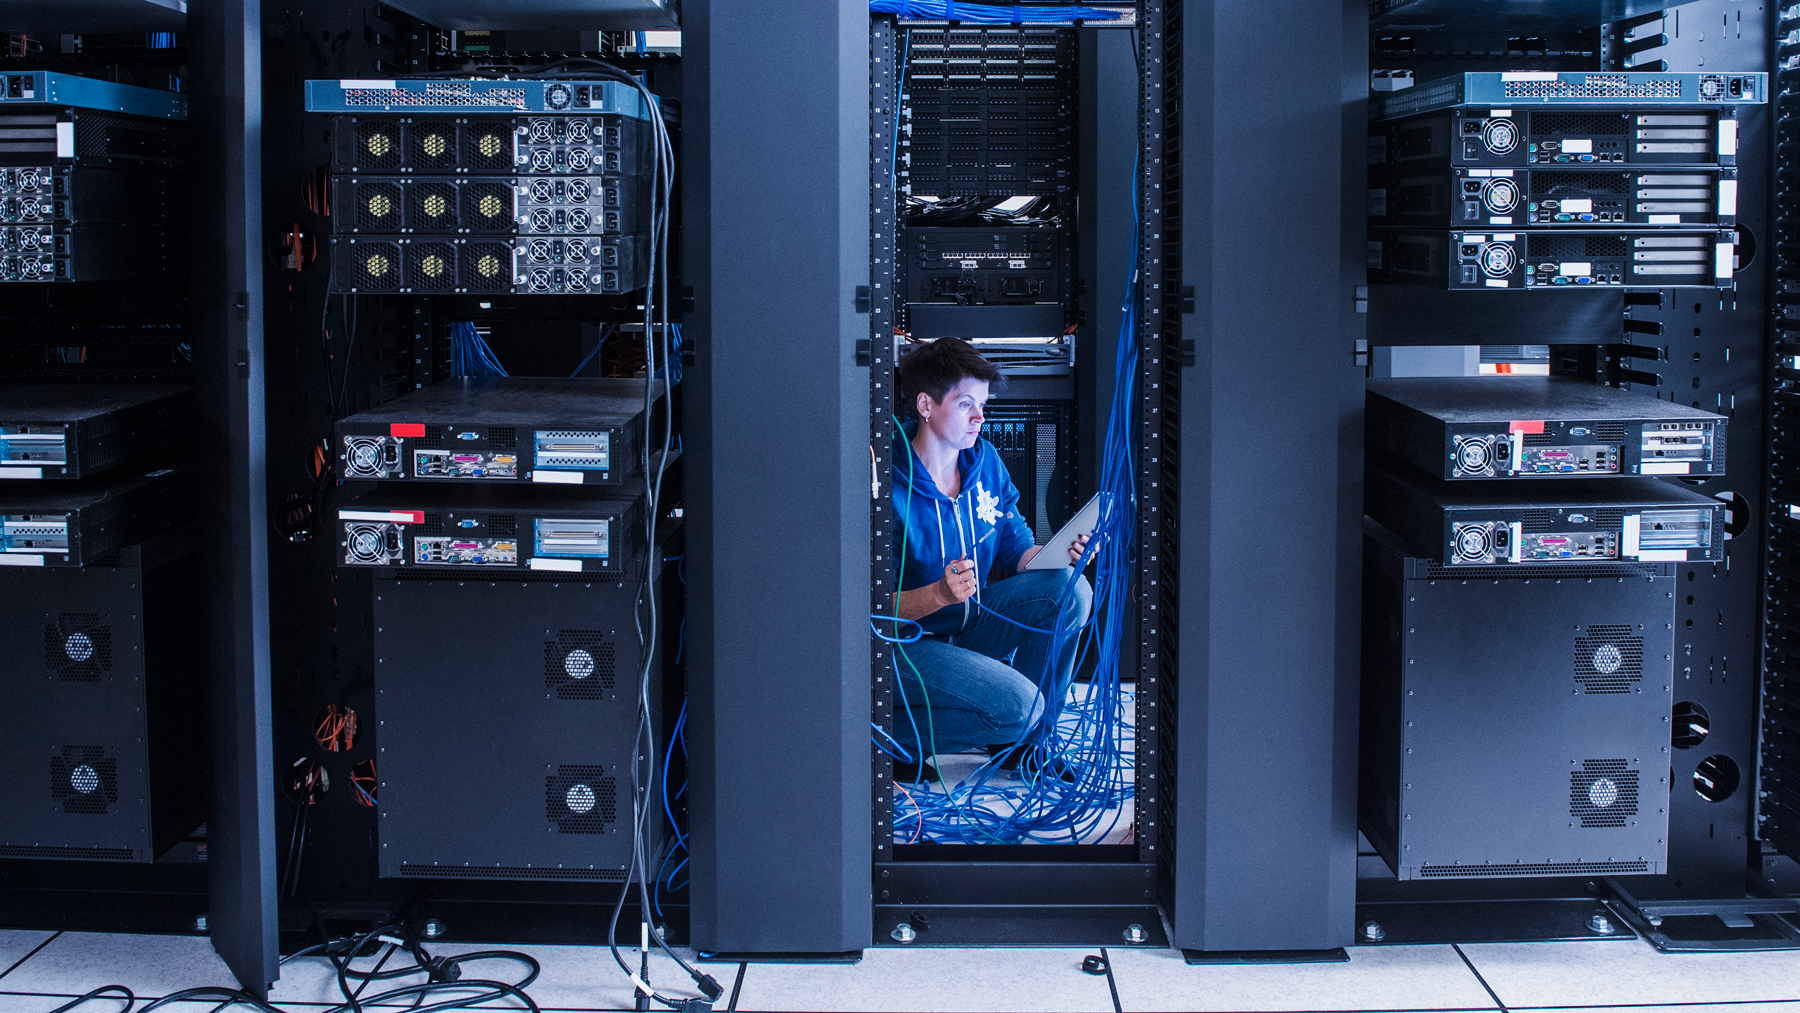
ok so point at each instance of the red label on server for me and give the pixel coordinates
(1522, 426)
(418, 429)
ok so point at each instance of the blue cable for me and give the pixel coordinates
(896, 639)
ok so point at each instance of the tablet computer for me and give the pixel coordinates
(1082, 523)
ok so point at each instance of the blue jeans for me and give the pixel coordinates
(976, 700)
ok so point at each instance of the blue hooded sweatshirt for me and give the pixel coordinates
(982, 524)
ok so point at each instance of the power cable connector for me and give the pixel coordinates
(443, 969)
(710, 986)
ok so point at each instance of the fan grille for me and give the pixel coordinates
(431, 267)
(433, 206)
(77, 648)
(378, 207)
(488, 207)
(377, 266)
(84, 779)
(580, 664)
(580, 799)
(490, 146)
(1608, 660)
(378, 145)
(433, 145)
(1603, 793)
(487, 267)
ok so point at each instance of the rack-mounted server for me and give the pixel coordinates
(502, 265)
(1532, 427)
(1583, 521)
(73, 431)
(1541, 88)
(1517, 724)
(500, 430)
(1547, 260)
(489, 532)
(1458, 197)
(507, 739)
(85, 252)
(77, 524)
(496, 205)
(38, 87)
(104, 735)
(66, 194)
(434, 142)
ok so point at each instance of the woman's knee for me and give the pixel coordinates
(1078, 604)
(1026, 706)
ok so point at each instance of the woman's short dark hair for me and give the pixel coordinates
(939, 366)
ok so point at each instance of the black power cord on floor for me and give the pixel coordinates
(443, 974)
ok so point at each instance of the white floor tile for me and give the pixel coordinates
(1630, 973)
(15, 944)
(76, 962)
(1375, 978)
(947, 980)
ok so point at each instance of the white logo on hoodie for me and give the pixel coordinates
(987, 505)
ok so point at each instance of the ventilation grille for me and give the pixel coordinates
(501, 437)
(432, 524)
(1539, 520)
(490, 146)
(1596, 86)
(1532, 869)
(84, 779)
(436, 95)
(488, 207)
(431, 267)
(1603, 246)
(1558, 184)
(68, 854)
(1609, 432)
(1563, 124)
(1603, 793)
(1538, 439)
(580, 799)
(378, 145)
(1608, 659)
(487, 266)
(378, 207)
(1574, 571)
(433, 438)
(377, 266)
(433, 145)
(502, 525)
(77, 647)
(579, 664)
(432, 206)
(508, 872)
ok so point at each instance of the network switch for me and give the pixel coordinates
(497, 205)
(992, 266)
(38, 87)
(78, 524)
(1542, 259)
(1500, 523)
(1518, 724)
(538, 265)
(65, 194)
(48, 252)
(435, 142)
(1574, 198)
(1533, 427)
(1569, 138)
(452, 96)
(496, 533)
(500, 429)
(74, 431)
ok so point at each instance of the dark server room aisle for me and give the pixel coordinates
(45, 969)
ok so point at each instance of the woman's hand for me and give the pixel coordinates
(959, 583)
(1076, 548)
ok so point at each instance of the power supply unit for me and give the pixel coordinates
(76, 524)
(1486, 753)
(492, 533)
(1457, 197)
(66, 194)
(435, 142)
(39, 87)
(1547, 260)
(491, 205)
(500, 265)
(1532, 88)
(62, 430)
(1475, 427)
(1489, 524)
(84, 252)
(507, 744)
(1514, 137)
(561, 431)
(104, 732)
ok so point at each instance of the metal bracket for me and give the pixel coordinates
(863, 351)
(863, 298)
